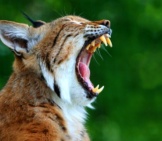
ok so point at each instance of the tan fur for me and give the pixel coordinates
(27, 109)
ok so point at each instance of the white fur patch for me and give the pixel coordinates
(48, 76)
(75, 116)
(63, 83)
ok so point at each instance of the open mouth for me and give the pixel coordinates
(83, 61)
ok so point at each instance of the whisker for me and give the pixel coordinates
(80, 14)
(95, 59)
(65, 12)
(59, 13)
(103, 47)
(74, 12)
(99, 53)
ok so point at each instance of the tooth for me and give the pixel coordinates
(87, 48)
(95, 89)
(91, 49)
(94, 49)
(100, 90)
(93, 43)
(108, 35)
(98, 45)
(103, 39)
(109, 42)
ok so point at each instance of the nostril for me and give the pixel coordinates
(107, 23)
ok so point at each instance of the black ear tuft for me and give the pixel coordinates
(34, 23)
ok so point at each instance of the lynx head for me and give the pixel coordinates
(59, 53)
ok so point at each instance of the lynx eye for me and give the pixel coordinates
(76, 22)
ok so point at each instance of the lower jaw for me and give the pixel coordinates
(87, 87)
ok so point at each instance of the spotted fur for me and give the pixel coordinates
(43, 99)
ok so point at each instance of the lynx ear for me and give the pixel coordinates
(17, 37)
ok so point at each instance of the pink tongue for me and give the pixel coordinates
(85, 73)
(84, 70)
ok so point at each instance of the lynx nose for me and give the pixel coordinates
(103, 22)
(106, 23)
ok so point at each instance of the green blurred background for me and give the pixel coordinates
(130, 108)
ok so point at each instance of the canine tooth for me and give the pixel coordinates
(109, 42)
(93, 43)
(103, 39)
(108, 35)
(97, 87)
(100, 90)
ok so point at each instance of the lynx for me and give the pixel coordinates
(46, 95)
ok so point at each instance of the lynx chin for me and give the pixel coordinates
(46, 95)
